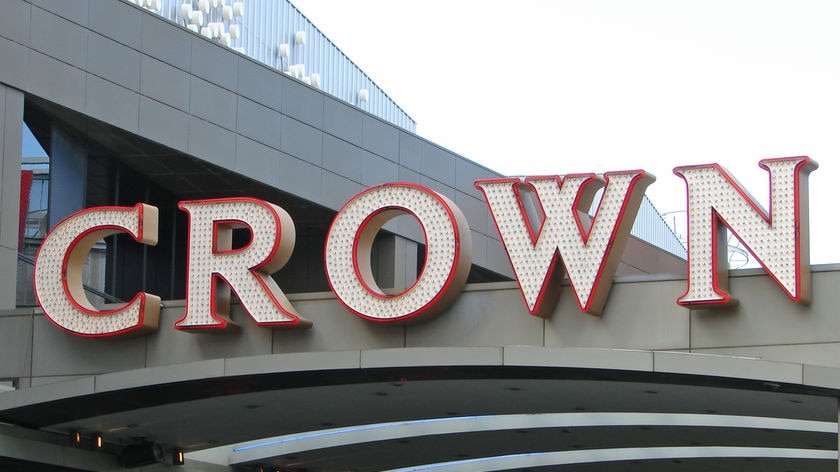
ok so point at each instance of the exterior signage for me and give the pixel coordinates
(543, 223)
(350, 239)
(589, 250)
(61, 259)
(213, 268)
(777, 239)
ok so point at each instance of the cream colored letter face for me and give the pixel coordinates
(61, 259)
(590, 251)
(778, 240)
(214, 267)
(348, 250)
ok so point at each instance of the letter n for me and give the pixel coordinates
(777, 239)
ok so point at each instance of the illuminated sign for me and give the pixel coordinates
(350, 239)
(589, 250)
(61, 259)
(214, 268)
(543, 223)
(778, 239)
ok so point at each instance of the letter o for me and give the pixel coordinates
(350, 239)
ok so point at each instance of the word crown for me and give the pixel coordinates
(587, 249)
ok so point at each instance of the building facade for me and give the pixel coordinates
(132, 107)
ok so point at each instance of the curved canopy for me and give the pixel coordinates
(486, 409)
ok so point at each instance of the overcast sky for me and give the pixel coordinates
(556, 87)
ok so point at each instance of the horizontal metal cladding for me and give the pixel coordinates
(278, 35)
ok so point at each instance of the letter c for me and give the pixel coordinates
(61, 259)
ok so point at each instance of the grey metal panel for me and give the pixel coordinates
(437, 186)
(213, 62)
(302, 102)
(335, 329)
(15, 21)
(83, 385)
(342, 158)
(68, 167)
(376, 170)
(55, 352)
(479, 248)
(293, 362)
(580, 358)
(300, 177)
(164, 83)
(626, 323)
(15, 60)
(393, 225)
(75, 11)
(212, 143)
(475, 210)
(721, 366)
(161, 41)
(407, 175)
(342, 121)
(492, 228)
(813, 354)
(56, 81)
(258, 122)
(479, 317)
(164, 124)
(117, 20)
(58, 38)
(643, 257)
(113, 61)
(8, 258)
(380, 138)
(172, 346)
(410, 151)
(12, 126)
(432, 356)
(111, 103)
(467, 172)
(15, 331)
(336, 190)
(301, 140)
(182, 371)
(497, 258)
(260, 84)
(257, 161)
(767, 315)
(36, 381)
(409, 228)
(212, 103)
(821, 376)
(438, 164)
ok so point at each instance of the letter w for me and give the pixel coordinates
(590, 248)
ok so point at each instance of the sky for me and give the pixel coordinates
(538, 87)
